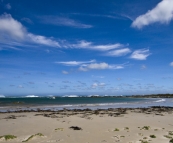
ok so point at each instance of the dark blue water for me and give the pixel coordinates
(66, 100)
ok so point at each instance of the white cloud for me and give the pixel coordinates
(171, 64)
(162, 13)
(99, 66)
(43, 40)
(121, 49)
(141, 54)
(94, 85)
(106, 47)
(90, 45)
(75, 63)
(63, 21)
(13, 31)
(82, 44)
(65, 72)
(119, 52)
(11, 27)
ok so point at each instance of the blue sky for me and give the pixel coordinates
(86, 47)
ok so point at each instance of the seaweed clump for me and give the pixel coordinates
(38, 134)
(8, 137)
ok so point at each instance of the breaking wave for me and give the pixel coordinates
(161, 100)
(71, 96)
(31, 96)
(2, 96)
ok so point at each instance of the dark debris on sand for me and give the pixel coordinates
(75, 128)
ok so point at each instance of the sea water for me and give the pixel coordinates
(78, 102)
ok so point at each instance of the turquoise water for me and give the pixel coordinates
(73, 102)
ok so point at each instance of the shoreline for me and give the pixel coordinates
(146, 110)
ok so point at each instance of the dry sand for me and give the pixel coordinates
(96, 128)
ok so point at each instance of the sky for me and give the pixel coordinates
(86, 47)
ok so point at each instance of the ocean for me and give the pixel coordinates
(76, 102)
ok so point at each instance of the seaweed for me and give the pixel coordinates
(142, 141)
(152, 136)
(116, 129)
(59, 129)
(38, 134)
(7, 137)
(167, 136)
(170, 132)
(146, 127)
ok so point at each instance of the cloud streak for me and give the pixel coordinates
(74, 63)
(89, 45)
(120, 52)
(140, 54)
(63, 21)
(162, 13)
(13, 31)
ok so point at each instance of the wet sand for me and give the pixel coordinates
(142, 125)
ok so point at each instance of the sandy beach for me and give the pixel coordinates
(150, 125)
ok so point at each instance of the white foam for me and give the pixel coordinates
(161, 100)
(32, 96)
(70, 96)
(2, 96)
(73, 96)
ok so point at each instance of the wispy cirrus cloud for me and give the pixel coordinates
(140, 54)
(111, 16)
(74, 63)
(92, 46)
(38, 39)
(27, 20)
(162, 13)
(13, 33)
(119, 52)
(63, 21)
(116, 49)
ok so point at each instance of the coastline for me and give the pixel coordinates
(126, 125)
